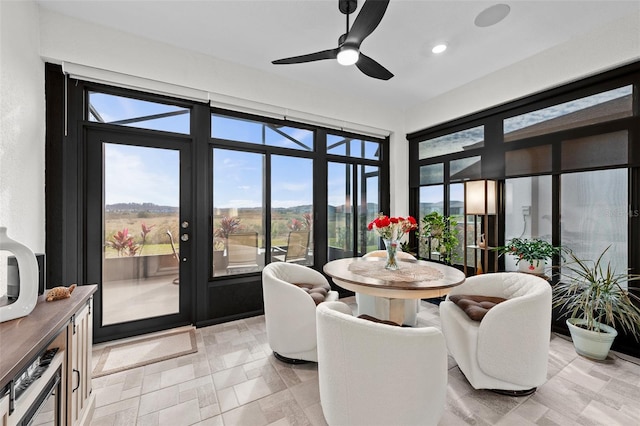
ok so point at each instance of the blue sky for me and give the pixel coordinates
(138, 174)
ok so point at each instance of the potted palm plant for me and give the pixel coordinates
(531, 254)
(592, 296)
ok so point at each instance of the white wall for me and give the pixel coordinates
(22, 127)
(608, 47)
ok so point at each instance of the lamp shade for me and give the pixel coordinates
(480, 196)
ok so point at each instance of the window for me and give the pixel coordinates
(570, 149)
(284, 222)
(527, 211)
(351, 188)
(292, 209)
(525, 161)
(349, 147)
(238, 212)
(452, 142)
(431, 200)
(598, 108)
(340, 220)
(432, 173)
(125, 111)
(610, 149)
(261, 133)
(465, 169)
(568, 166)
(368, 206)
(432, 197)
(595, 213)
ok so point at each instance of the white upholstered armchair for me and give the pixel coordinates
(290, 310)
(508, 349)
(377, 374)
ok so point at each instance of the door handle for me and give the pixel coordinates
(77, 372)
(184, 237)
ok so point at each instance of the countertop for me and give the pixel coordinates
(22, 339)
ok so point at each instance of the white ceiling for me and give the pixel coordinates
(255, 32)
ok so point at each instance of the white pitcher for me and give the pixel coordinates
(28, 267)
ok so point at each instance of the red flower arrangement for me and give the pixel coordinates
(392, 228)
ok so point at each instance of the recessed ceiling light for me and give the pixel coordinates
(492, 15)
(439, 48)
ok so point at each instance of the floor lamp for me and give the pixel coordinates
(481, 202)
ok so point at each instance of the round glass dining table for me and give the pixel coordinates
(415, 279)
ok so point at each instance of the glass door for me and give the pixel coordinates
(138, 231)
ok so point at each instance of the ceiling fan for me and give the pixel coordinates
(348, 50)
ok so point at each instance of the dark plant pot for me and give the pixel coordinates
(220, 261)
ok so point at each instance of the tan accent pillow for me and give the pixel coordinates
(318, 292)
(317, 298)
(475, 306)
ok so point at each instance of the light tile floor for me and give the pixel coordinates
(234, 379)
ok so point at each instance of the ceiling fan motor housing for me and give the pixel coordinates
(347, 6)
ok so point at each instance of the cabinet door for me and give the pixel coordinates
(82, 335)
(4, 411)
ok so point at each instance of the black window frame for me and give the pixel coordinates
(493, 154)
(214, 300)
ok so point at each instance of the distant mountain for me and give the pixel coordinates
(139, 207)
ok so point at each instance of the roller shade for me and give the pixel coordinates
(127, 81)
(218, 100)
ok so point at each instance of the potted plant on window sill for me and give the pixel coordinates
(592, 296)
(531, 254)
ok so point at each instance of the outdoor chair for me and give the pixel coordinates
(242, 250)
(296, 250)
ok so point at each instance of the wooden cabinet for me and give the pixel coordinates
(64, 324)
(80, 401)
(4, 411)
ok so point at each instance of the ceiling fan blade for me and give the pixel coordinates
(372, 68)
(317, 56)
(367, 20)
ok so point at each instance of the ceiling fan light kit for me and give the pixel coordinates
(348, 55)
(348, 50)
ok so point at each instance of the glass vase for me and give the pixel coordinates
(392, 248)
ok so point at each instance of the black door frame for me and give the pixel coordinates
(94, 138)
